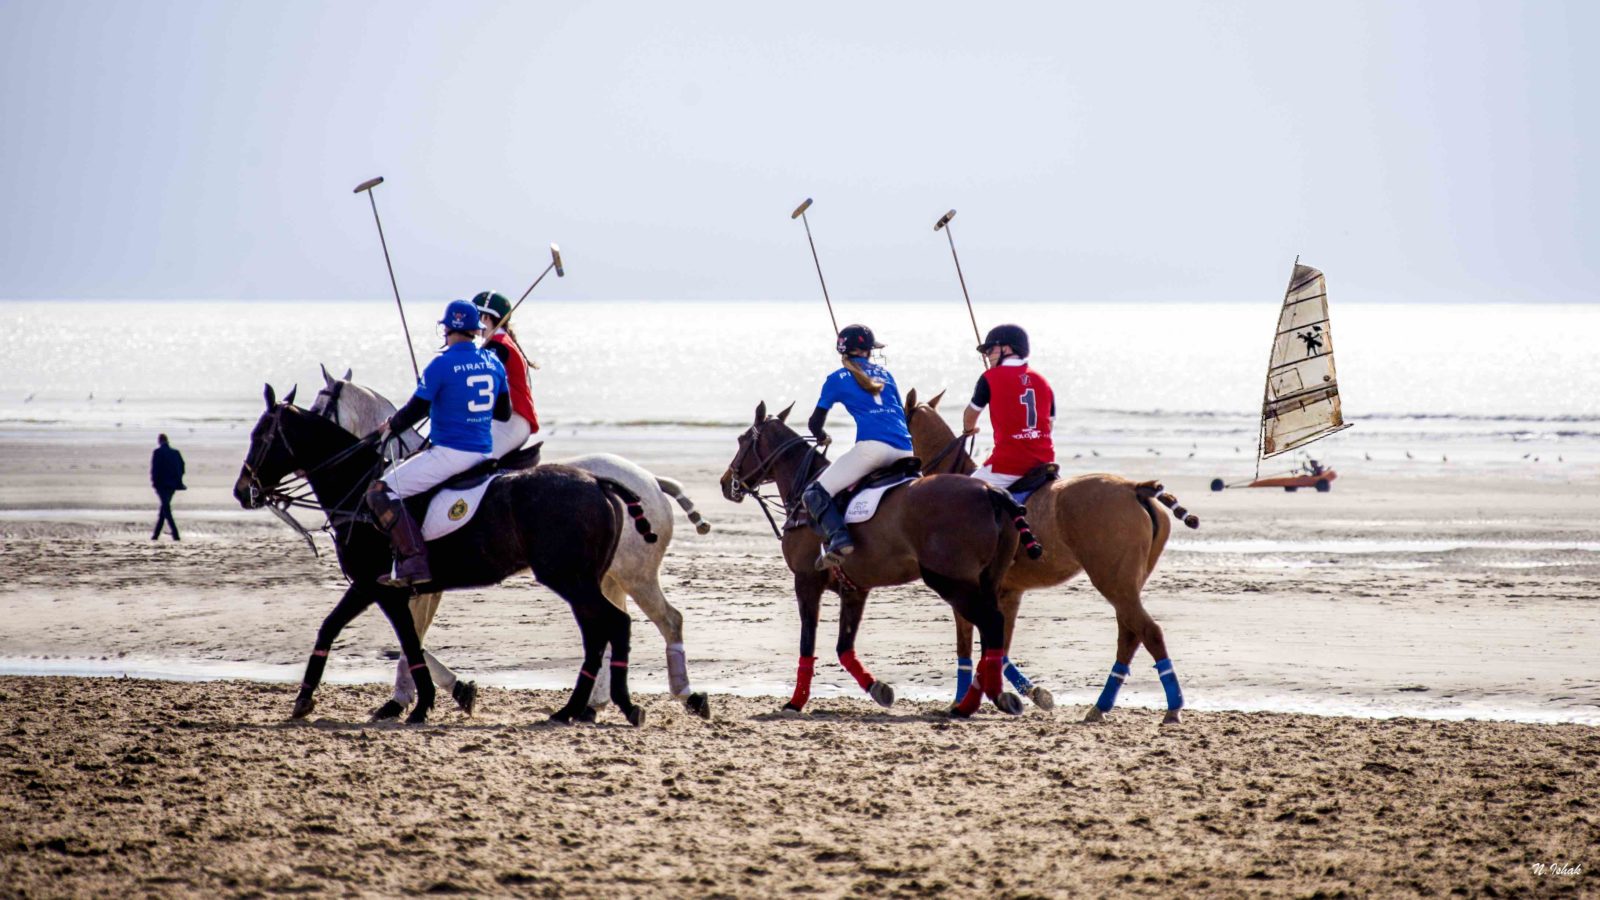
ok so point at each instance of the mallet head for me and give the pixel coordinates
(944, 220)
(369, 184)
(798, 210)
(555, 259)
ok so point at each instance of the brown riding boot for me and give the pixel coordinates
(410, 552)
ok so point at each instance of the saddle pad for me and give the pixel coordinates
(450, 509)
(864, 505)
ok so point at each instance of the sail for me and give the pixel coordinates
(1302, 396)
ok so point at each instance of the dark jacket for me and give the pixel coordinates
(166, 469)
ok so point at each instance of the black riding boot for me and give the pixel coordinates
(410, 552)
(828, 521)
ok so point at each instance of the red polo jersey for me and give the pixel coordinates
(1021, 406)
(516, 376)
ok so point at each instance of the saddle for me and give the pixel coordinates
(1036, 477)
(515, 461)
(869, 489)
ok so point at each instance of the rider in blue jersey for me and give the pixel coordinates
(463, 390)
(868, 393)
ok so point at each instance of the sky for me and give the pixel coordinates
(1435, 152)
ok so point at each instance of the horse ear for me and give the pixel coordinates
(326, 378)
(911, 401)
(936, 398)
(761, 412)
(271, 396)
(349, 373)
(289, 397)
(785, 414)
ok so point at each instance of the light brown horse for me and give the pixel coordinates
(1102, 525)
(957, 534)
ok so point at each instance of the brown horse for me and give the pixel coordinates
(1103, 525)
(957, 534)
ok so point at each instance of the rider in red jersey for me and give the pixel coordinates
(524, 422)
(1022, 408)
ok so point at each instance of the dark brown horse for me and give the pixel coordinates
(1103, 525)
(957, 534)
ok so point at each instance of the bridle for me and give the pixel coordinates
(750, 485)
(296, 491)
(957, 446)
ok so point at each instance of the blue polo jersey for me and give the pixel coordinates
(880, 416)
(460, 385)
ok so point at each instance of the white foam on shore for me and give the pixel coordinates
(1344, 706)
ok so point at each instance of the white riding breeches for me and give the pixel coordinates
(509, 435)
(861, 460)
(1002, 482)
(417, 473)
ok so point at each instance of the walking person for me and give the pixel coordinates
(166, 476)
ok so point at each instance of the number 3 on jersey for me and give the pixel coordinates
(485, 386)
(1028, 401)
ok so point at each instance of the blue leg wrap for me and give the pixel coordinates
(963, 676)
(1169, 683)
(1015, 676)
(1108, 696)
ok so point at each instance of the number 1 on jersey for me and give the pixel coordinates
(1033, 410)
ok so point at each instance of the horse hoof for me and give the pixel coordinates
(390, 710)
(1094, 715)
(466, 695)
(699, 704)
(956, 712)
(702, 528)
(790, 711)
(635, 716)
(303, 705)
(561, 717)
(883, 692)
(1042, 698)
(1009, 703)
(587, 714)
(419, 716)
(1173, 717)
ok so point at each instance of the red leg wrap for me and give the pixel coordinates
(585, 673)
(971, 701)
(989, 673)
(856, 669)
(802, 682)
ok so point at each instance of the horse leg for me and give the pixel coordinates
(808, 588)
(423, 608)
(851, 605)
(600, 692)
(398, 609)
(349, 606)
(646, 592)
(963, 656)
(978, 604)
(593, 615)
(1010, 603)
(621, 640)
(1135, 627)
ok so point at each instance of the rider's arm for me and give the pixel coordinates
(819, 417)
(415, 410)
(980, 399)
(502, 407)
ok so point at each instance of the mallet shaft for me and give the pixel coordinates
(367, 186)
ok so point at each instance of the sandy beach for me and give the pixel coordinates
(1435, 623)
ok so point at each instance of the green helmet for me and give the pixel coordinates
(492, 304)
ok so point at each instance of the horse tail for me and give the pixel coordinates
(1160, 526)
(675, 490)
(1148, 490)
(1006, 506)
(634, 507)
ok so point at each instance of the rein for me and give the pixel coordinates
(957, 445)
(296, 491)
(750, 485)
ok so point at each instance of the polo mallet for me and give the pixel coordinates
(944, 225)
(800, 213)
(368, 186)
(555, 263)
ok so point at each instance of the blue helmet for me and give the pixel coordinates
(461, 315)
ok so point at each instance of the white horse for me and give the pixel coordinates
(634, 571)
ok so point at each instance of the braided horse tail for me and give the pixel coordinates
(675, 490)
(1007, 507)
(634, 508)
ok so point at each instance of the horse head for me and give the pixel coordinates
(285, 440)
(932, 438)
(359, 410)
(758, 447)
